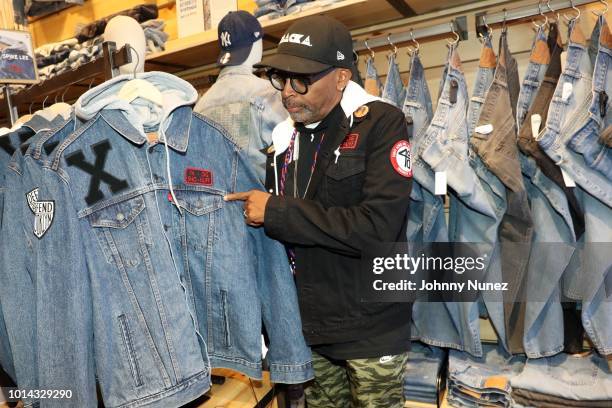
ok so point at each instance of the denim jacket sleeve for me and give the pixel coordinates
(349, 230)
(289, 357)
(64, 304)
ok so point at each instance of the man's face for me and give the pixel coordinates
(320, 99)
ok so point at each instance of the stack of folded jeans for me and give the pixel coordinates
(154, 35)
(422, 373)
(564, 381)
(482, 382)
(271, 9)
(140, 13)
(23, 9)
(57, 58)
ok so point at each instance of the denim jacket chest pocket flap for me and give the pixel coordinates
(119, 215)
(199, 203)
(123, 231)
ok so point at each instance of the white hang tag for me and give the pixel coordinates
(567, 91)
(569, 182)
(536, 122)
(563, 60)
(484, 129)
(440, 183)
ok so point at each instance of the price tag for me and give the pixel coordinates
(536, 122)
(440, 184)
(569, 182)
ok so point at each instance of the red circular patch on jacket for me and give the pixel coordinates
(401, 158)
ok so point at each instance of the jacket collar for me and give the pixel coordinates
(134, 119)
(177, 132)
(353, 97)
(235, 70)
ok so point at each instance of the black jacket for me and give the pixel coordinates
(352, 203)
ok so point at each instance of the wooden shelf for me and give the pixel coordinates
(236, 392)
(202, 49)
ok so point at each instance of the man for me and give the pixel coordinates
(341, 180)
(244, 104)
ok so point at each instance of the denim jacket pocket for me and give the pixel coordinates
(199, 203)
(122, 231)
(345, 178)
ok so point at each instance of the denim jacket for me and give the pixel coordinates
(248, 107)
(165, 278)
(17, 323)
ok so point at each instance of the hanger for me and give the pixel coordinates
(372, 54)
(605, 3)
(552, 10)
(59, 108)
(545, 23)
(454, 42)
(139, 88)
(489, 34)
(65, 90)
(417, 46)
(576, 17)
(391, 44)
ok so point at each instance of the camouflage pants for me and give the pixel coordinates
(360, 383)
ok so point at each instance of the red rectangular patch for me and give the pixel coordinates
(198, 177)
(350, 141)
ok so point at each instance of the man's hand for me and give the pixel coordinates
(254, 205)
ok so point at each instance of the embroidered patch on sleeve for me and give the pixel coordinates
(401, 158)
(350, 141)
(44, 212)
(199, 177)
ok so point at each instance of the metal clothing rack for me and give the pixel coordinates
(458, 26)
(112, 59)
(515, 15)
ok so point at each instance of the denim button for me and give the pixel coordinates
(120, 217)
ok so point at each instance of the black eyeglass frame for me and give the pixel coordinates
(306, 79)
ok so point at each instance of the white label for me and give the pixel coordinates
(569, 182)
(563, 60)
(567, 91)
(440, 184)
(536, 122)
(484, 129)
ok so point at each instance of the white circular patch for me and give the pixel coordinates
(401, 158)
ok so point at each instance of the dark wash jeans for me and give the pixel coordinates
(499, 151)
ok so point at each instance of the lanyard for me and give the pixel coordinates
(283, 180)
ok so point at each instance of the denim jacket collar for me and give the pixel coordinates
(235, 70)
(353, 97)
(134, 119)
(177, 133)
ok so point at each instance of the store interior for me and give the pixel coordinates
(73, 57)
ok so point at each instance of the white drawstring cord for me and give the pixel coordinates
(169, 174)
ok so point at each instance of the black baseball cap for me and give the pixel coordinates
(312, 44)
(237, 31)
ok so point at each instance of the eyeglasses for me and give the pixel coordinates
(299, 83)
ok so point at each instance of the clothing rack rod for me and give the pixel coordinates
(524, 12)
(460, 26)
